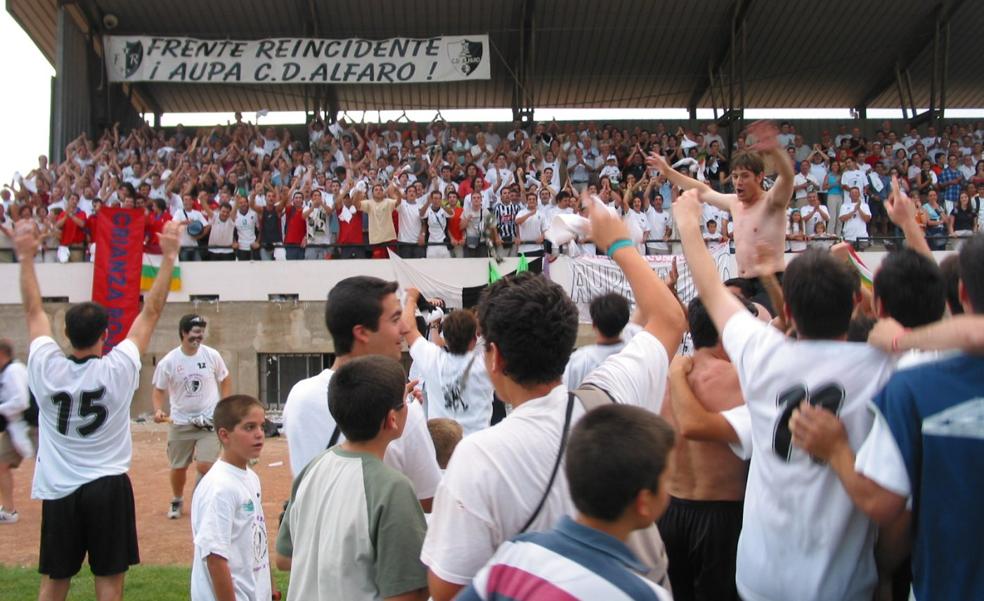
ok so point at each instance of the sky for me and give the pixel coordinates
(25, 107)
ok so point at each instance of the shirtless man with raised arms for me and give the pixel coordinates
(758, 215)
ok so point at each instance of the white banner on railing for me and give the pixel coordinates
(297, 60)
(593, 276)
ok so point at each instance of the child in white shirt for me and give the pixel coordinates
(228, 527)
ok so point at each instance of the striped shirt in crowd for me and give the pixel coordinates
(570, 562)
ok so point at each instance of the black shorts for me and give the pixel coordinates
(701, 539)
(761, 296)
(98, 519)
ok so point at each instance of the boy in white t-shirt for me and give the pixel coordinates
(232, 559)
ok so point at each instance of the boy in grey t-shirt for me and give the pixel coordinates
(353, 524)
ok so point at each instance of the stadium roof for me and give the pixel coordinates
(581, 53)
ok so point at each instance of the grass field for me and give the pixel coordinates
(150, 583)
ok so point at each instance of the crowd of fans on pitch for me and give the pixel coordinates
(352, 190)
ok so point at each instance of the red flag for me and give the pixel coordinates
(116, 277)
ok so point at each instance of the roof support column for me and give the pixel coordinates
(523, 102)
(72, 95)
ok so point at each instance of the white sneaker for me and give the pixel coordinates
(175, 511)
(8, 517)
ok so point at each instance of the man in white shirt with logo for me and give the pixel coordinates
(498, 483)
(855, 215)
(453, 370)
(190, 378)
(409, 238)
(244, 242)
(795, 510)
(660, 225)
(84, 420)
(363, 317)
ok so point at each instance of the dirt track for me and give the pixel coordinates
(162, 541)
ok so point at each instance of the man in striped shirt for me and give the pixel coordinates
(616, 468)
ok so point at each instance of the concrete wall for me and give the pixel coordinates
(238, 330)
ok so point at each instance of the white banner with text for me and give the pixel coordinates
(297, 60)
(593, 276)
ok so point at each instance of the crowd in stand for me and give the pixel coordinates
(355, 190)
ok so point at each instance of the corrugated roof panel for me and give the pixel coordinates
(620, 53)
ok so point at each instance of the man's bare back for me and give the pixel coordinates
(709, 471)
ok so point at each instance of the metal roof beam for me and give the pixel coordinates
(907, 56)
(522, 71)
(739, 10)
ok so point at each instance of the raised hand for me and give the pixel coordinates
(170, 243)
(899, 207)
(656, 161)
(26, 240)
(766, 135)
(687, 209)
(606, 228)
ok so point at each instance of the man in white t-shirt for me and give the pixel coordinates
(854, 177)
(453, 370)
(246, 245)
(363, 317)
(221, 233)
(84, 421)
(660, 227)
(317, 217)
(410, 238)
(803, 183)
(609, 317)
(530, 227)
(855, 215)
(189, 377)
(795, 509)
(498, 483)
(186, 216)
(813, 213)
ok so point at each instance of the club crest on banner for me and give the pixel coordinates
(465, 55)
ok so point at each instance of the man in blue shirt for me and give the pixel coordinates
(951, 181)
(926, 445)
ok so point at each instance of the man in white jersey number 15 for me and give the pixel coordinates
(84, 420)
(189, 377)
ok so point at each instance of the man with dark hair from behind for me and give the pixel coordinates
(452, 369)
(506, 480)
(84, 421)
(950, 266)
(707, 481)
(353, 528)
(795, 509)
(926, 445)
(609, 316)
(363, 317)
(617, 469)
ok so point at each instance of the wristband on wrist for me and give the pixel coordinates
(618, 245)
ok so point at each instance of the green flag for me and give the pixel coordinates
(523, 264)
(493, 273)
